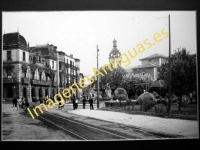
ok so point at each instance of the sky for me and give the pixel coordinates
(79, 32)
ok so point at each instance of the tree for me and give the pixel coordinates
(183, 73)
(131, 81)
(114, 77)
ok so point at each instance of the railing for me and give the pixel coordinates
(46, 83)
(54, 83)
(25, 80)
(35, 82)
(41, 82)
(8, 80)
(73, 76)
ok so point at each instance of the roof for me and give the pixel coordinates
(154, 56)
(14, 39)
(150, 65)
(44, 50)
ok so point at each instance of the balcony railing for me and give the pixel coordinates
(73, 76)
(35, 82)
(67, 84)
(25, 80)
(41, 82)
(8, 80)
(54, 83)
(46, 83)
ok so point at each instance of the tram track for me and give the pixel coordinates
(81, 130)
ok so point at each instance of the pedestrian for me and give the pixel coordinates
(73, 102)
(76, 103)
(23, 103)
(14, 102)
(91, 103)
(84, 101)
(26, 102)
(45, 101)
(41, 100)
(18, 103)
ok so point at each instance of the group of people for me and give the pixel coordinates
(76, 100)
(20, 103)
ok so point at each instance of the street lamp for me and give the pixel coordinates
(97, 78)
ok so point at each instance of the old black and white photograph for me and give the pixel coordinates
(99, 75)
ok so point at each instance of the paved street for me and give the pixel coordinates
(18, 125)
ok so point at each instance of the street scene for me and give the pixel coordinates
(99, 76)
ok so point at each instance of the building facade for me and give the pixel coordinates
(37, 71)
(150, 65)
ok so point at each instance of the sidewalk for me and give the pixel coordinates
(178, 127)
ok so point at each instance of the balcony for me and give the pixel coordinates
(54, 83)
(45, 83)
(73, 76)
(25, 80)
(8, 80)
(35, 82)
(67, 65)
(67, 84)
(41, 82)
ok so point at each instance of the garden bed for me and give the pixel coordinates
(187, 113)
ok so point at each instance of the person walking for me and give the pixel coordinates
(26, 102)
(76, 103)
(91, 103)
(84, 101)
(14, 102)
(73, 102)
(18, 103)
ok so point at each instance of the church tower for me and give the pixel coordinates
(115, 54)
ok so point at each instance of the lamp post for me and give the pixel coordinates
(97, 78)
(169, 75)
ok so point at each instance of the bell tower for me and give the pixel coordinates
(115, 54)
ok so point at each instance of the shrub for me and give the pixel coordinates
(146, 100)
(120, 94)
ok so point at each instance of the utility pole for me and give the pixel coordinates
(169, 77)
(97, 78)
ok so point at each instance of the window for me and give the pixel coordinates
(24, 56)
(67, 61)
(64, 60)
(33, 73)
(34, 59)
(8, 55)
(9, 73)
(40, 76)
(30, 58)
(53, 64)
(60, 66)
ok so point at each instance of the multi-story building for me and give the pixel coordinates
(15, 56)
(35, 71)
(68, 72)
(150, 65)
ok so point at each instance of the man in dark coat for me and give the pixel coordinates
(84, 101)
(73, 101)
(91, 103)
(14, 102)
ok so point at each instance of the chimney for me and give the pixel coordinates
(71, 55)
